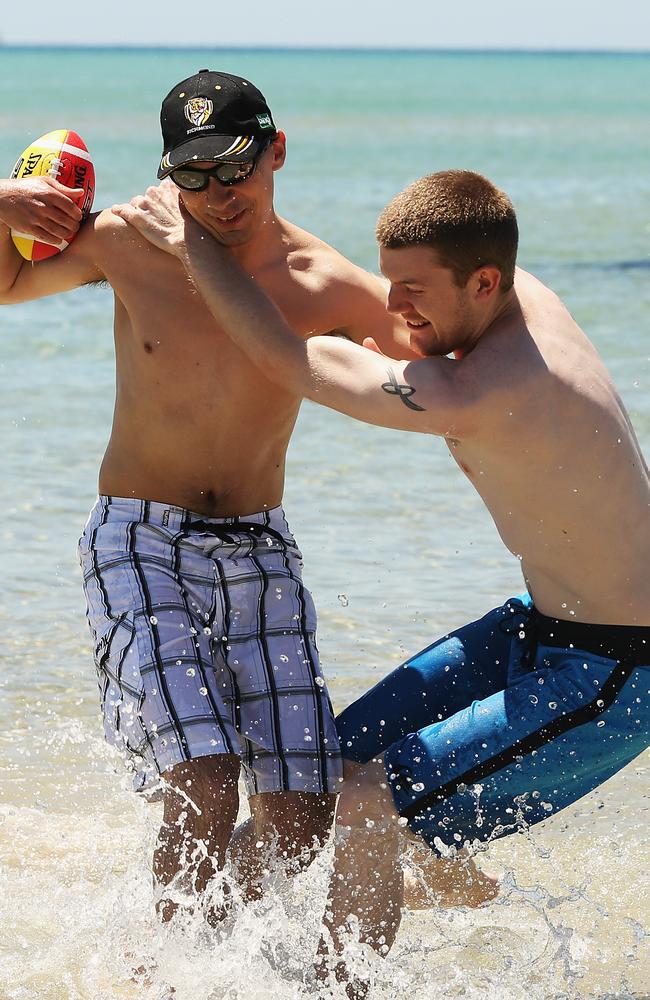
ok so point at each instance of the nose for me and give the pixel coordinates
(218, 194)
(395, 303)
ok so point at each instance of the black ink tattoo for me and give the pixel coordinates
(403, 391)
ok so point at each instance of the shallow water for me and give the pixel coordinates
(397, 546)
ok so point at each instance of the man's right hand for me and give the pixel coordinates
(41, 207)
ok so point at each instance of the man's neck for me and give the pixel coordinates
(504, 310)
(268, 245)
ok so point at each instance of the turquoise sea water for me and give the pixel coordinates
(397, 546)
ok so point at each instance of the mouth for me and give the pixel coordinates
(416, 324)
(228, 221)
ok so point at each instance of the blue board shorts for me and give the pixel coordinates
(204, 639)
(504, 722)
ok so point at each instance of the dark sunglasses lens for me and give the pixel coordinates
(190, 180)
(226, 173)
(233, 173)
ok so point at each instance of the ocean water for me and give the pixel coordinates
(397, 546)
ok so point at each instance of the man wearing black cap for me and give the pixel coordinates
(204, 634)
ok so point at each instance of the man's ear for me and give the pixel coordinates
(279, 148)
(486, 281)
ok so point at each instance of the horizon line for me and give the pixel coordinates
(357, 49)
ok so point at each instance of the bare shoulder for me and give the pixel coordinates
(327, 266)
(109, 230)
(118, 248)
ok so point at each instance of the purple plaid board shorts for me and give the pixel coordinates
(204, 643)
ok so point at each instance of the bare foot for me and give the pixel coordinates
(432, 881)
(143, 976)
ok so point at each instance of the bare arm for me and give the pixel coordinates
(413, 396)
(43, 208)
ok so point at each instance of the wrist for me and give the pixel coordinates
(197, 244)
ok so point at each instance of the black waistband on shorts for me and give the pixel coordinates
(627, 643)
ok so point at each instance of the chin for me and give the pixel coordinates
(230, 238)
(422, 346)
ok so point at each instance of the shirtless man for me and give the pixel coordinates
(203, 631)
(515, 716)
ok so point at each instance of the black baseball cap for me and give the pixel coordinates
(213, 116)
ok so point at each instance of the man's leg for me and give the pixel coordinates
(200, 810)
(367, 882)
(285, 829)
(467, 665)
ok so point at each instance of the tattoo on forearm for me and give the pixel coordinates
(403, 391)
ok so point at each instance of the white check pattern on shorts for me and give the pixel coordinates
(204, 641)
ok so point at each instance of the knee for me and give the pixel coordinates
(201, 796)
(296, 823)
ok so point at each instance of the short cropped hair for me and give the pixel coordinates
(462, 216)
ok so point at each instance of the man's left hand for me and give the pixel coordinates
(159, 216)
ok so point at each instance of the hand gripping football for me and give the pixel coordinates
(63, 156)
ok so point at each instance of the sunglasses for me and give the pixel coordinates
(227, 173)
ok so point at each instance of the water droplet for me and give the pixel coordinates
(207, 630)
(522, 635)
(191, 672)
(370, 823)
(153, 620)
(533, 699)
(402, 821)
(203, 691)
(285, 659)
(343, 600)
(600, 723)
(320, 681)
(418, 786)
(552, 704)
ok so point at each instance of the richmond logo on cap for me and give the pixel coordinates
(198, 110)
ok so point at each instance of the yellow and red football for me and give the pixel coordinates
(62, 155)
